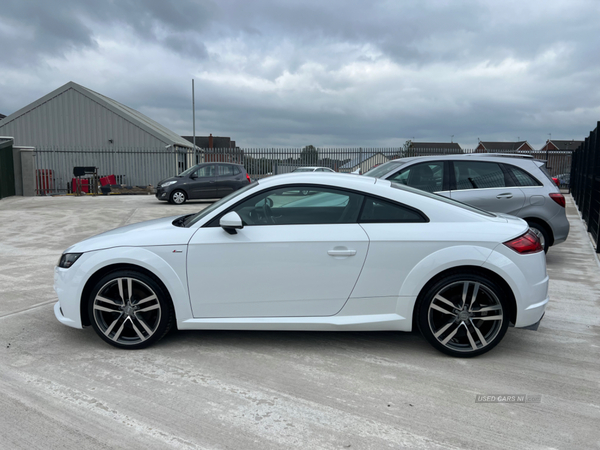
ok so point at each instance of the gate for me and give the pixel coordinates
(7, 169)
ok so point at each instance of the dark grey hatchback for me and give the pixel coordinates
(207, 180)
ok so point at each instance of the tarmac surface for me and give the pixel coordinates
(65, 388)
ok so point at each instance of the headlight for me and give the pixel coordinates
(68, 259)
(168, 183)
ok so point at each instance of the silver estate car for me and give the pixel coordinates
(512, 184)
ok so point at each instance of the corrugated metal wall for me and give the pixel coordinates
(73, 120)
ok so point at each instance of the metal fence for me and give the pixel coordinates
(142, 167)
(585, 179)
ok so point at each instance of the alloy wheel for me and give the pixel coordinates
(465, 316)
(127, 311)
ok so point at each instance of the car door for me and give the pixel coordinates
(202, 182)
(229, 178)
(296, 256)
(486, 185)
(430, 176)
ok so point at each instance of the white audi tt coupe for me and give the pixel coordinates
(354, 253)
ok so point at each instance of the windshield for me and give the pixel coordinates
(377, 172)
(206, 211)
(441, 198)
(185, 173)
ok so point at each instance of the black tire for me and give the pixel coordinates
(177, 197)
(129, 309)
(541, 233)
(467, 328)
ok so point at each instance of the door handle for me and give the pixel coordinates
(340, 252)
(505, 195)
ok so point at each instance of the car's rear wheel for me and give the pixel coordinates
(541, 233)
(463, 314)
(129, 309)
(178, 197)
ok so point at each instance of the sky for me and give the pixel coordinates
(328, 73)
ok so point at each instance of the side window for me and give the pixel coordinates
(479, 175)
(225, 170)
(381, 211)
(296, 205)
(206, 171)
(236, 170)
(522, 177)
(425, 176)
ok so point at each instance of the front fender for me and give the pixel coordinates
(167, 263)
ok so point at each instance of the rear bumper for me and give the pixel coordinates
(560, 227)
(535, 326)
(526, 275)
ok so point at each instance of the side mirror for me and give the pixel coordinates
(193, 176)
(231, 222)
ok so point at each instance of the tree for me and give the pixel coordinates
(309, 155)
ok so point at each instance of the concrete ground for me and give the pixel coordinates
(65, 388)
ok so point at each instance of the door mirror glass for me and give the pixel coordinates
(231, 222)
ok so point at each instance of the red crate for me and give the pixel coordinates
(83, 183)
(44, 181)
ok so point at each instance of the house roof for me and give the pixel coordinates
(565, 145)
(435, 145)
(218, 141)
(488, 145)
(137, 118)
(359, 159)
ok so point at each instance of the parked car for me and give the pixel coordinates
(313, 169)
(361, 254)
(564, 179)
(208, 180)
(511, 184)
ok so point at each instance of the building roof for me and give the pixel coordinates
(2, 116)
(218, 141)
(359, 159)
(435, 145)
(565, 145)
(488, 145)
(137, 118)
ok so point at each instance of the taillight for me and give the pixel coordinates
(248, 178)
(558, 198)
(556, 182)
(527, 243)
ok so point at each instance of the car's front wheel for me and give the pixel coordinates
(129, 309)
(177, 197)
(463, 314)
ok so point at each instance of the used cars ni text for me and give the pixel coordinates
(360, 253)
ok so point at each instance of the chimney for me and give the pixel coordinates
(210, 141)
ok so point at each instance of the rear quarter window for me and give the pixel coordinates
(521, 177)
(376, 210)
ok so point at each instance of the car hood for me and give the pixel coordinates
(143, 234)
(160, 183)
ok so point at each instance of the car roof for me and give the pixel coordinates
(311, 167)
(483, 156)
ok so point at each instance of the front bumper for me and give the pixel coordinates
(67, 309)
(162, 194)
